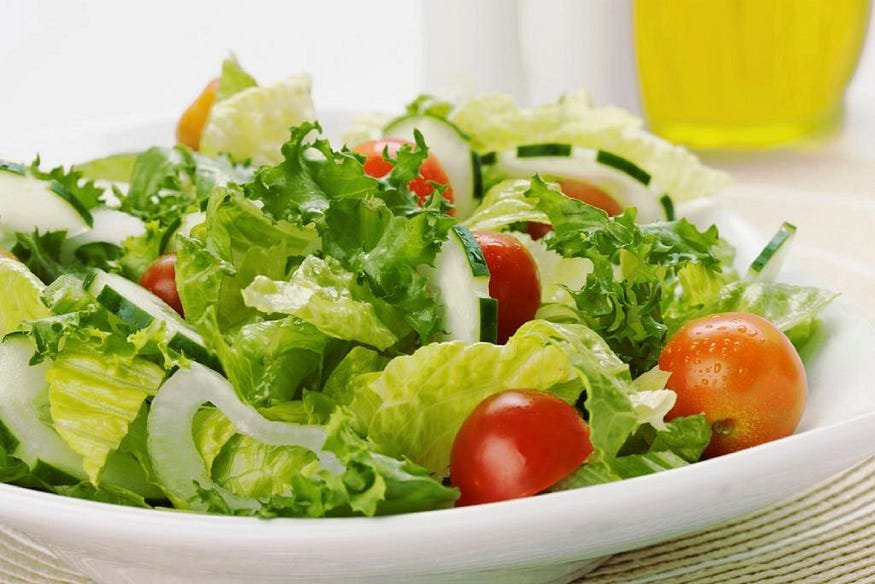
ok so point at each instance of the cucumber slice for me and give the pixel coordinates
(462, 280)
(538, 150)
(139, 308)
(769, 261)
(26, 431)
(175, 458)
(110, 226)
(27, 204)
(630, 185)
(452, 148)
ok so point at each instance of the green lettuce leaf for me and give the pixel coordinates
(649, 450)
(504, 205)
(234, 79)
(261, 475)
(93, 400)
(415, 406)
(622, 297)
(41, 253)
(22, 292)
(274, 361)
(389, 251)
(116, 168)
(72, 183)
(167, 183)
(793, 309)
(328, 297)
(236, 243)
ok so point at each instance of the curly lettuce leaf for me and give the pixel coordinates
(632, 265)
(71, 183)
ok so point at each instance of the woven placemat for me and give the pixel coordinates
(825, 535)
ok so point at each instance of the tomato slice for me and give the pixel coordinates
(160, 280)
(430, 170)
(513, 280)
(517, 443)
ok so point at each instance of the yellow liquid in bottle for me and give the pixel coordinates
(746, 73)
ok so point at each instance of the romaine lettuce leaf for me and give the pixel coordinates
(275, 360)
(415, 406)
(21, 296)
(93, 400)
(116, 168)
(236, 243)
(791, 308)
(234, 79)
(322, 293)
(505, 204)
(649, 450)
(496, 123)
(358, 481)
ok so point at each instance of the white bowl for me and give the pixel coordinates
(549, 538)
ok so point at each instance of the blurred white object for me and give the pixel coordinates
(568, 45)
(535, 50)
(471, 46)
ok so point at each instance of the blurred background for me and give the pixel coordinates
(78, 60)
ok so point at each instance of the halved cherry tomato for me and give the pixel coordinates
(513, 280)
(517, 443)
(741, 372)
(430, 170)
(582, 191)
(160, 280)
(194, 118)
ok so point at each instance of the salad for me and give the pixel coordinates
(464, 303)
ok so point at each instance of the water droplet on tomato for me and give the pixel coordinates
(717, 367)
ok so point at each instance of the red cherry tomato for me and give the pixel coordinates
(582, 191)
(742, 373)
(194, 118)
(517, 443)
(160, 280)
(513, 280)
(430, 170)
